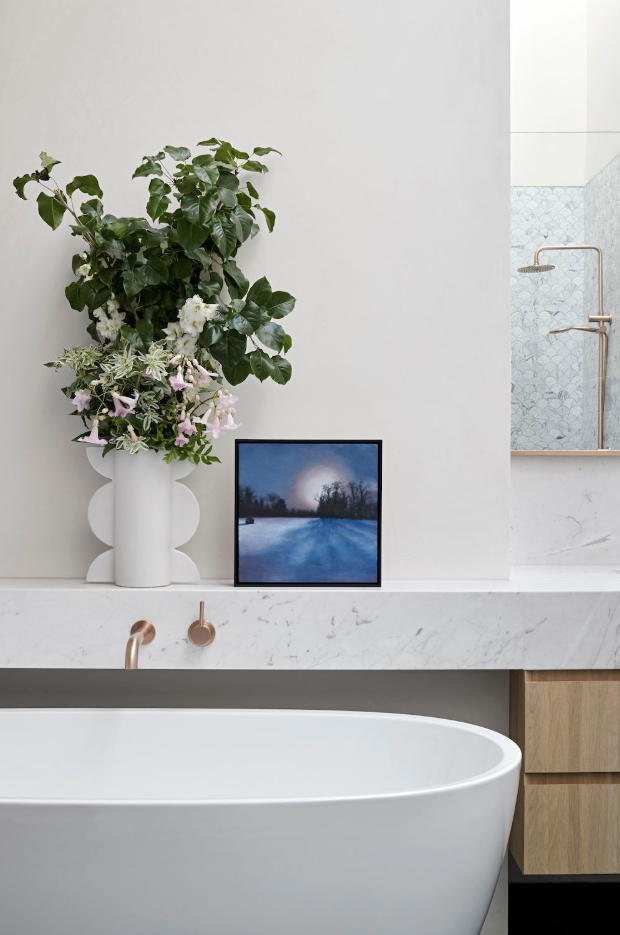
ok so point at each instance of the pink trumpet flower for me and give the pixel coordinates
(231, 425)
(93, 438)
(226, 401)
(178, 383)
(186, 427)
(181, 440)
(81, 400)
(121, 411)
(204, 374)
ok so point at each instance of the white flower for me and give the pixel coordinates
(84, 271)
(193, 315)
(177, 341)
(109, 324)
(185, 345)
(83, 256)
(173, 331)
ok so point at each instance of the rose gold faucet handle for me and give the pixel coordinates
(201, 632)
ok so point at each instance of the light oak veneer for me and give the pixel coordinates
(568, 809)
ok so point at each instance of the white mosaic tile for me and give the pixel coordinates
(602, 227)
(547, 370)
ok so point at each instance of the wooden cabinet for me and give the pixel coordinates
(567, 724)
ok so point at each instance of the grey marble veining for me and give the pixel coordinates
(547, 369)
(602, 227)
(533, 621)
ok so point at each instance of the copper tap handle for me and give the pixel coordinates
(201, 632)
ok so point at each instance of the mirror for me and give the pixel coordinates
(565, 225)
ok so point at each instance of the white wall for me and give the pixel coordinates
(565, 89)
(603, 88)
(394, 125)
(548, 65)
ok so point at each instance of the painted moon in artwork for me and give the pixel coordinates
(310, 483)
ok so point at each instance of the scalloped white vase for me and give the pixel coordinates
(143, 514)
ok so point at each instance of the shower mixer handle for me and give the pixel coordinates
(600, 318)
(201, 632)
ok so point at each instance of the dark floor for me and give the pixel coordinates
(564, 909)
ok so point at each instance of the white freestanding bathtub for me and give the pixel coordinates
(169, 822)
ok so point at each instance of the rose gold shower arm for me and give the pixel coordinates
(583, 246)
(141, 632)
(603, 337)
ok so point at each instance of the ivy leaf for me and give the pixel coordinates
(224, 153)
(280, 305)
(282, 370)
(263, 150)
(272, 335)
(239, 372)
(224, 236)
(198, 210)
(180, 153)
(252, 190)
(245, 222)
(227, 197)
(237, 283)
(134, 280)
(114, 248)
(159, 187)
(269, 217)
(288, 343)
(157, 205)
(201, 256)
(190, 235)
(145, 330)
(261, 364)
(85, 183)
(92, 208)
(120, 228)
(131, 335)
(252, 166)
(19, 184)
(48, 161)
(260, 292)
(210, 334)
(156, 271)
(73, 296)
(247, 320)
(149, 167)
(228, 180)
(181, 268)
(211, 142)
(229, 349)
(50, 209)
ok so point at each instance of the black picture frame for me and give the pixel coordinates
(309, 584)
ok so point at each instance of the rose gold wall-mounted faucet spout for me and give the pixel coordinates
(141, 632)
(601, 319)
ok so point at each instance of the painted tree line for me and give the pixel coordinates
(339, 500)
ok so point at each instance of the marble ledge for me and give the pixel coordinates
(565, 617)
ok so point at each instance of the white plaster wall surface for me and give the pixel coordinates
(565, 510)
(394, 126)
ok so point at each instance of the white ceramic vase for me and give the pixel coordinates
(143, 514)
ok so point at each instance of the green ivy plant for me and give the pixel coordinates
(201, 210)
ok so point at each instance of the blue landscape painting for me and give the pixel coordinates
(308, 512)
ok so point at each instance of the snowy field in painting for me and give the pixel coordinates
(310, 549)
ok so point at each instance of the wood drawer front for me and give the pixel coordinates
(572, 726)
(571, 828)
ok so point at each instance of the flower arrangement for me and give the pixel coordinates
(170, 310)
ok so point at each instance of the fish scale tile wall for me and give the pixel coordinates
(547, 369)
(602, 227)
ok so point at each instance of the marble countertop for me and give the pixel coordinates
(543, 617)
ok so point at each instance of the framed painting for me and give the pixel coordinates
(308, 513)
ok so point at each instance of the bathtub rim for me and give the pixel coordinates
(511, 758)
